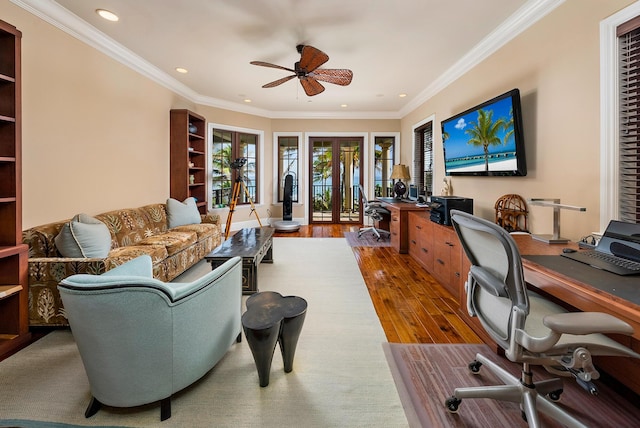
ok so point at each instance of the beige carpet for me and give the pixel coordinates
(340, 376)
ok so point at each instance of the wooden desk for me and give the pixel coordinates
(399, 221)
(584, 297)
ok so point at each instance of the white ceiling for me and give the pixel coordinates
(415, 47)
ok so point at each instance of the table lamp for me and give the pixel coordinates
(399, 173)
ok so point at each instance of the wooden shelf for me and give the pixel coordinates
(14, 317)
(8, 290)
(188, 157)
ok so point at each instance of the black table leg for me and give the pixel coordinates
(262, 343)
(289, 334)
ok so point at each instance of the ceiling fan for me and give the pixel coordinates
(308, 72)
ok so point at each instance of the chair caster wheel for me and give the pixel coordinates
(555, 395)
(474, 366)
(452, 404)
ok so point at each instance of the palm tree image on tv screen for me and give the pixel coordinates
(486, 140)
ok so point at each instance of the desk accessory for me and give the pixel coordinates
(556, 205)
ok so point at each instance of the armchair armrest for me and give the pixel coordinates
(586, 323)
(128, 277)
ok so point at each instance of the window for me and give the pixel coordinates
(423, 158)
(384, 159)
(619, 182)
(288, 163)
(227, 146)
(629, 115)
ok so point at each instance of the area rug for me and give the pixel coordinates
(427, 374)
(340, 376)
(367, 239)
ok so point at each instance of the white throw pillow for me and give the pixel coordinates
(83, 237)
(182, 213)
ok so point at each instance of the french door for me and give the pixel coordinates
(336, 174)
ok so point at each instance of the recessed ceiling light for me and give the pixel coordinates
(247, 100)
(108, 15)
(182, 70)
(344, 105)
(402, 95)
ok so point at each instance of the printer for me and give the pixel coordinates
(442, 205)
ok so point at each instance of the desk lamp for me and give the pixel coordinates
(399, 173)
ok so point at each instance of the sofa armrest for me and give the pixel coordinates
(210, 218)
(45, 273)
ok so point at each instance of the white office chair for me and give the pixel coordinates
(375, 211)
(531, 329)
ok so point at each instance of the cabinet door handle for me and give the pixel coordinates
(413, 241)
(457, 274)
(419, 227)
(440, 261)
(425, 250)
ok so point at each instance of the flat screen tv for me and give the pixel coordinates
(486, 140)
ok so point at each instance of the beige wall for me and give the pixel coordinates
(555, 64)
(95, 133)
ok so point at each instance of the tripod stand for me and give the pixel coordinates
(236, 194)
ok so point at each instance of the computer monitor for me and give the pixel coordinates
(413, 192)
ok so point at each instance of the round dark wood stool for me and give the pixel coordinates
(271, 318)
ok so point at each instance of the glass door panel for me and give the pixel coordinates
(335, 169)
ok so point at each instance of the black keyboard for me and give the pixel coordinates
(618, 261)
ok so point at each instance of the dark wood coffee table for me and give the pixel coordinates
(254, 245)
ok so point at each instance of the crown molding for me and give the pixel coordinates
(517, 23)
(56, 15)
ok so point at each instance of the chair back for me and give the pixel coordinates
(495, 284)
(363, 195)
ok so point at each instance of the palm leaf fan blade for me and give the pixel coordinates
(268, 64)
(338, 76)
(312, 58)
(278, 82)
(311, 86)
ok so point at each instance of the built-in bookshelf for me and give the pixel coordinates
(14, 316)
(188, 157)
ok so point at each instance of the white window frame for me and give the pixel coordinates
(609, 113)
(261, 143)
(415, 126)
(371, 163)
(301, 158)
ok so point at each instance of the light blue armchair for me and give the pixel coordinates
(142, 340)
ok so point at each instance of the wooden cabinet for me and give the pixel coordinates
(421, 239)
(188, 158)
(447, 263)
(394, 229)
(14, 317)
(438, 250)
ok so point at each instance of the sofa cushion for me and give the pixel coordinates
(84, 237)
(181, 213)
(174, 242)
(120, 255)
(203, 230)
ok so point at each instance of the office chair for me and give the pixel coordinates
(375, 211)
(531, 329)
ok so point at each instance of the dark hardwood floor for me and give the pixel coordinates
(412, 306)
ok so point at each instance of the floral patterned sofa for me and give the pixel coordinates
(134, 231)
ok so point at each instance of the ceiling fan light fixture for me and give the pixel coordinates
(308, 71)
(108, 15)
